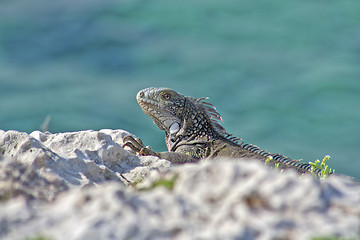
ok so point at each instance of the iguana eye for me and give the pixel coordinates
(166, 96)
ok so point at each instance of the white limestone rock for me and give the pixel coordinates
(224, 199)
(79, 158)
(212, 200)
(17, 179)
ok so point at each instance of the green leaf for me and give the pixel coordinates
(268, 160)
(325, 170)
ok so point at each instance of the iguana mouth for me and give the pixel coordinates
(144, 102)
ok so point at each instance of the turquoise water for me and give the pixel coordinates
(285, 75)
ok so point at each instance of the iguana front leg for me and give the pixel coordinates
(137, 146)
(174, 157)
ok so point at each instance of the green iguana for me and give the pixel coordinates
(193, 131)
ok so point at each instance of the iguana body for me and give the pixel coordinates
(193, 131)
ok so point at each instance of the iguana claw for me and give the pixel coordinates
(137, 146)
(134, 143)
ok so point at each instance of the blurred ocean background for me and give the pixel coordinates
(285, 75)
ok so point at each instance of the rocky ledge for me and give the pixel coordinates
(84, 185)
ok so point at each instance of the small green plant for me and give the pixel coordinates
(332, 238)
(277, 165)
(325, 170)
(269, 159)
(38, 238)
(167, 183)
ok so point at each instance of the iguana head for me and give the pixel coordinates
(182, 118)
(164, 106)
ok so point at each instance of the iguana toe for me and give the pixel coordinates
(137, 146)
(134, 143)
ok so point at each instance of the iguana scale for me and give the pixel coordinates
(193, 131)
